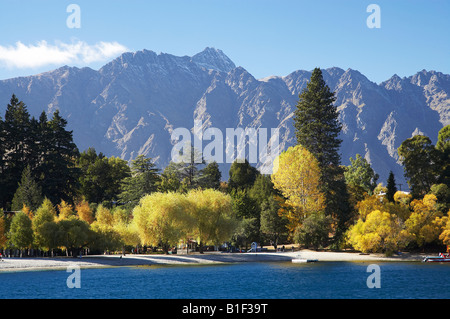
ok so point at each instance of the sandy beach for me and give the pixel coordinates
(98, 261)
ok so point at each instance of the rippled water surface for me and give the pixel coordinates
(282, 280)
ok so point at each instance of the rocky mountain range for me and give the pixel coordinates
(132, 104)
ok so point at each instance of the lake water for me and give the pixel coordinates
(281, 280)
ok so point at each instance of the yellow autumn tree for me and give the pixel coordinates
(84, 212)
(445, 235)
(213, 215)
(368, 205)
(107, 238)
(402, 197)
(104, 216)
(296, 175)
(27, 210)
(162, 219)
(425, 223)
(128, 233)
(65, 210)
(380, 232)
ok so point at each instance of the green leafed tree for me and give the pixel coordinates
(211, 176)
(314, 231)
(28, 193)
(242, 175)
(443, 147)
(21, 232)
(419, 158)
(45, 214)
(361, 175)
(101, 177)
(247, 211)
(272, 225)
(170, 180)
(144, 180)
(75, 235)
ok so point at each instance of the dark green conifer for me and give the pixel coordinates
(317, 129)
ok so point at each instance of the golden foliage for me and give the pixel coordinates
(424, 223)
(65, 210)
(84, 212)
(161, 218)
(104, 216)
(28, 211)
(445, 235)
(213, 215)
(296, 175)
(380, 231)
(401, 197)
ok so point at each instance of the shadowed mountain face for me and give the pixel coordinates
(132, 104)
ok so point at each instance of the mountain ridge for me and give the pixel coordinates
(131, 105)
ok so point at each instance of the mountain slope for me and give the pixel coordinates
(132, 104)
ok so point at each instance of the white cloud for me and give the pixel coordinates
(42, 54)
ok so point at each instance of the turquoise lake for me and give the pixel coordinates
(280, 280)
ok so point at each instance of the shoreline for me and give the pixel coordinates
(17, 264)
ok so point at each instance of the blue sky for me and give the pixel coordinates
(265, 37)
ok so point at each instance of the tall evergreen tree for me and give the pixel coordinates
(143, 180)
(46, 146)
(317, 129)
(28, 193)
(391, 188)
(211, 176)
(2, 167)
(42, 135)
(60, 177)
(16, 143)
(184, 172)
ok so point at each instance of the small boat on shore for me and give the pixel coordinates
(440, 259)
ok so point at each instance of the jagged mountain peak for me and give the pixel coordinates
(354, 75)
(209, 58)
(214, 59)
(131, 105)
(334, 71)
(394, 83)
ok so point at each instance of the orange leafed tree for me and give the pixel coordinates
(84, 212)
